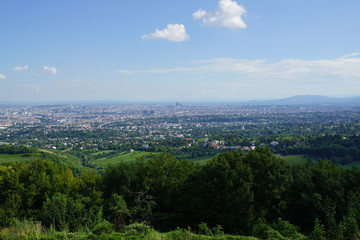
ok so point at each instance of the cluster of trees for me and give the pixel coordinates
(338, 149)
(254, 193)
(48, 192)
(11, 149)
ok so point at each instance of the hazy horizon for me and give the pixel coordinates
(186, 51)
(297, 100)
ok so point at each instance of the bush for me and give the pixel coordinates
(318, 232)
(137, 229)
(264, 231)
(204, 229)
(217, 231)
(286, 229)
(22, 230)
(103, 227)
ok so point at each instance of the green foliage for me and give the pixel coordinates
(349, 226)
(55, 211)
(233, 189)
(22, 230)
(318, 232)
(103, 227)
(137, 229)
(205, 230)
(241, 187)
(287, 230)
(217, 231)
(11, 149)
(278, 230)
(116, 210)
(118, 179)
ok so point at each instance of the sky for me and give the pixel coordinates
(161, 50)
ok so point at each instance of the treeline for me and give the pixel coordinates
(11, 149)
(253, 194)
(338, 149)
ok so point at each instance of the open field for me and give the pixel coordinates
(122, 157)
(201, 160)
(353, 164)
(295, 159)
(130, 157)
(102, 152)
(23, 157)
(67, 160)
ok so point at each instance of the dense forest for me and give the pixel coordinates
(256, 194)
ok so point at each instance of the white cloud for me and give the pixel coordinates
(21, 68)
(157, 70)
(228, 14)
(350, 55)
(286, 69)
(173, 32)
(48, 70)
(2, 76)
(199, 14)
(127, 72)
(31, 87)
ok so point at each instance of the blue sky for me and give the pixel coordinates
(55, 50)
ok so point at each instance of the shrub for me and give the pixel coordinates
(103, 227)
(137, 229)
(204, 229)
(264, 231)
(22, 230)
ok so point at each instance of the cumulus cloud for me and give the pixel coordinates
(173, 33)
(21, 68)
(228, 14)
(2, 76)
(48, 70)
(199, 14)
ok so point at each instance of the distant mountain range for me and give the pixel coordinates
(294, 100)
(310, 100)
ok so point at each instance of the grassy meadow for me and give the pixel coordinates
(296, 159)
(122, 157)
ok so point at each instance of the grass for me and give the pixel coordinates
(353, 164)
(131, 157)
(296, 159)
(201, 139)
(285, 138)
(201, 160)
(62, 157)
(23, 157)
(68, 160)
(34, 230)
(101, 152)
(122, 157)
(302, 159)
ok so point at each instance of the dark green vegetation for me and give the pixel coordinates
(256, 194)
